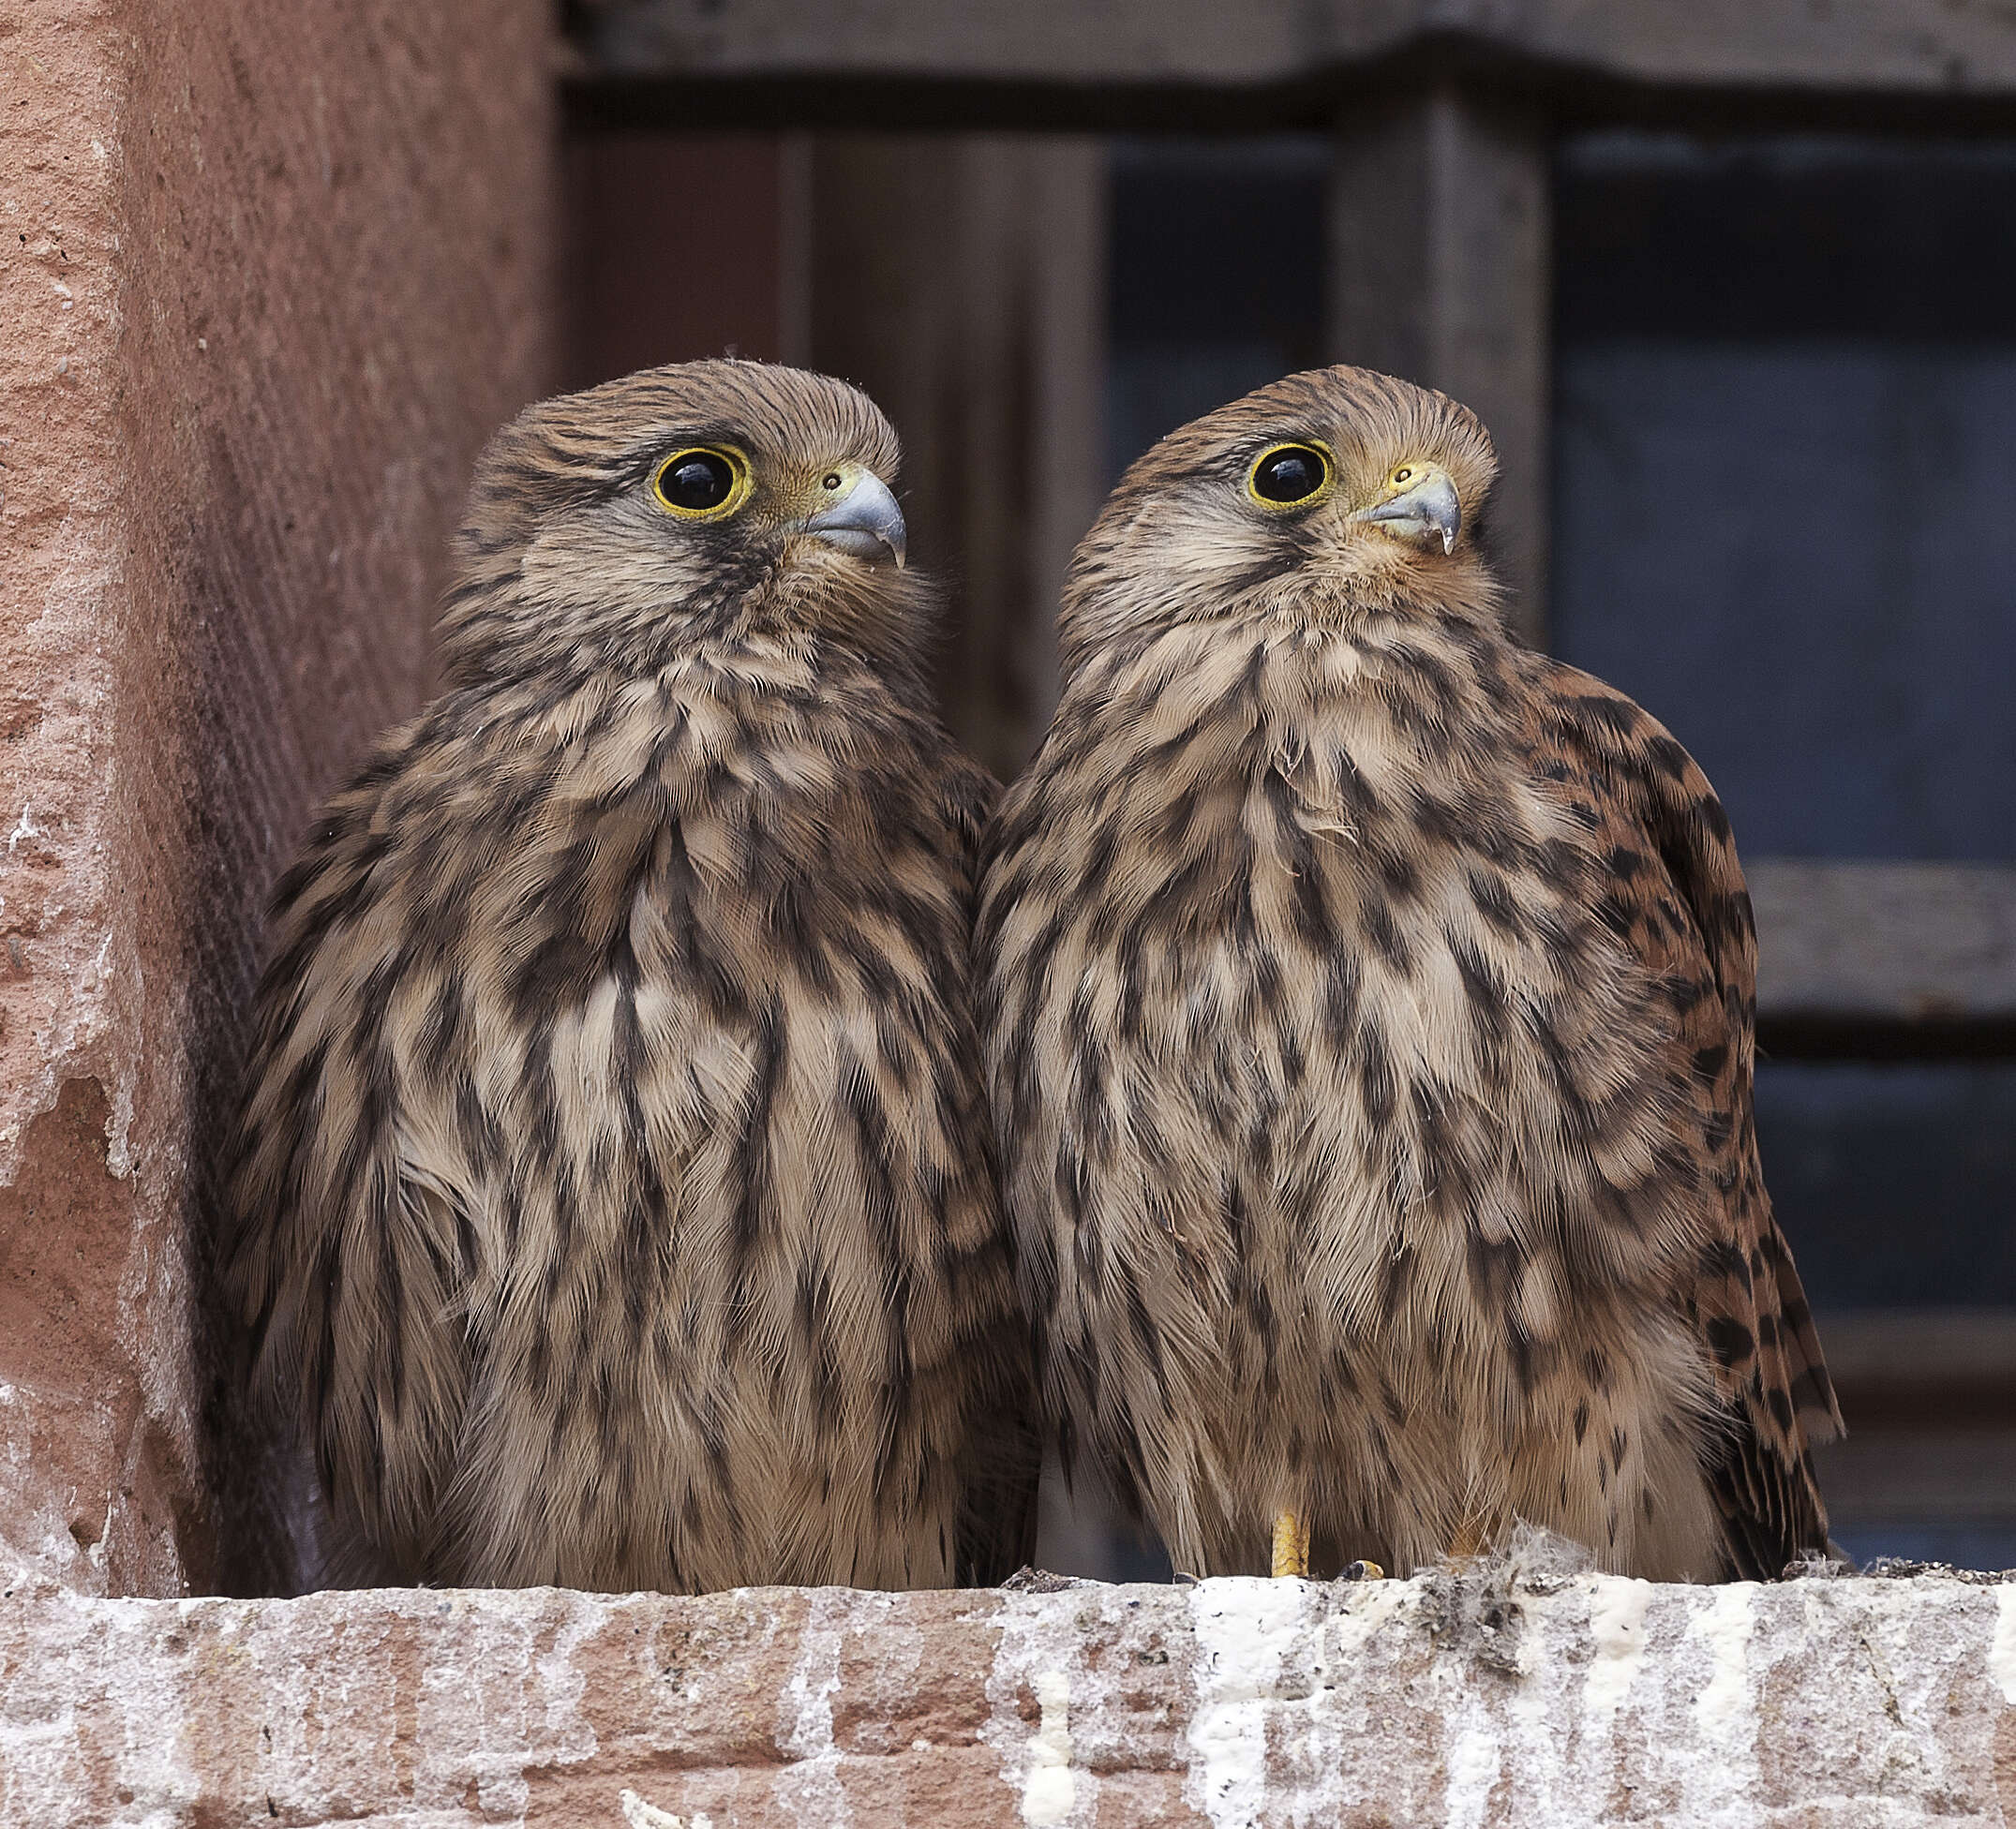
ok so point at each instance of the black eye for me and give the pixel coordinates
(1289, 473)
(696, 482)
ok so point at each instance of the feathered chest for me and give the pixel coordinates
(1304, 932)
(717, 835)
(1292, 836)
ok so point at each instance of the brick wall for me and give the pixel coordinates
(268, 277)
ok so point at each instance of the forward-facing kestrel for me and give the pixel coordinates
(1368, 1004)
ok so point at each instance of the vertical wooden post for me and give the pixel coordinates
(961, 280)
(1441, 264)
(634, 242)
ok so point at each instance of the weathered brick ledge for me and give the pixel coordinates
(1504, 1695)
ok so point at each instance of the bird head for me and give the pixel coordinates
(1329, 495)
(617, 528)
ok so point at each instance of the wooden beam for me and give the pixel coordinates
(1930, 1473)
(1894, 1366)
(961, 280)
(1921, 946)
(1440, 258)
(1918, 47)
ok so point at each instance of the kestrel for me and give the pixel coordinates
(615, 1203)
(1368, 1004)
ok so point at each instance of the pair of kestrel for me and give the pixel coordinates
(687, 1144)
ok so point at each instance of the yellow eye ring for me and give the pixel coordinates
(702, 483)
(1296, 474)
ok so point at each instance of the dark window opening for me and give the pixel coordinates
(1786, 446)
(1217, 278)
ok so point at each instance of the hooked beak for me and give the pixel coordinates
(861, 518)
(1426, 504)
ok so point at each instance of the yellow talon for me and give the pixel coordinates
(1290, 1545)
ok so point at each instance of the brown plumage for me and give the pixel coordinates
(1368, 1004)
(614, 1204)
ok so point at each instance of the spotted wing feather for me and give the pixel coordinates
(1677, 899)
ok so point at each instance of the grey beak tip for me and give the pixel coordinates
(865, 522)
(1429, 507)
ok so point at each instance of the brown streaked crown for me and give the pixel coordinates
(1183, 538)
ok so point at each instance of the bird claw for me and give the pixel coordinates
(1362, 1571)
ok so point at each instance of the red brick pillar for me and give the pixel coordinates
(268, 277)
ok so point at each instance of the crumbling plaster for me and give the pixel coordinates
(268, 277)
(1508, 1693)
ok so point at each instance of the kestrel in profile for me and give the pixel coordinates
(615, 1204)
(1367, 1004)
